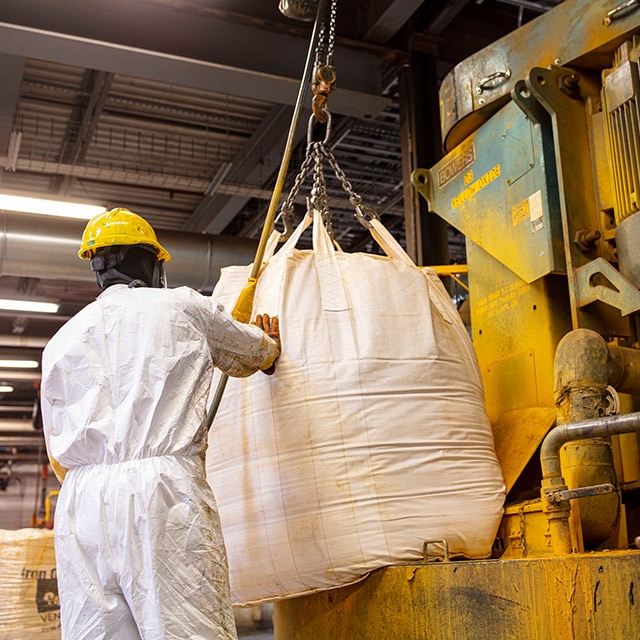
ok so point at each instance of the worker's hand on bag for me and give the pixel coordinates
(268, 325)
(271, 327)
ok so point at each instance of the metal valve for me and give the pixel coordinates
(554, 497)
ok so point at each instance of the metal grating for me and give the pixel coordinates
(147, 145)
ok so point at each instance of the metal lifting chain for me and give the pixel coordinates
(319, 197)
(363, 212)
(316, 153)
(324, 74)
(323, 82)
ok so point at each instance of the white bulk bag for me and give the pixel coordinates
(370, 438)
(29, 601)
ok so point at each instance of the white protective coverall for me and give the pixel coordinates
(125, 391)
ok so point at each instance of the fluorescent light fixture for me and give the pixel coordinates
(14, 149)
(19, 364)
(28, 305)
(6, 388)
(49, 207)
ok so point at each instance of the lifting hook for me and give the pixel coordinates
(324, 82)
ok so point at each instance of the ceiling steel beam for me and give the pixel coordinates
(10, 81)
(253, 165)
(446, 16)
(141, 178)
(82, 124)
(540, 7)
(390, 20)
(360, 71)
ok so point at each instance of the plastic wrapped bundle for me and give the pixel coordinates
(28, 588)
(371, 437)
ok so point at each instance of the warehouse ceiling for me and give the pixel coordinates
(179, 110)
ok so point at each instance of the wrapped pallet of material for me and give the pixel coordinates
(30, 607)
(371, 437)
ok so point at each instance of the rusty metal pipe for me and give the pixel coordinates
(581, 394)
(594, 428)
(623, 369)
(580, 367)
(552, 480)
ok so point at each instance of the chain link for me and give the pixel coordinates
(327, 37)
(320, 49)
(363, 213)
(286, 209)
(316, 152)
(324, 75)
(333, 11)
(354, 198)
(521, 531)
(319, 196)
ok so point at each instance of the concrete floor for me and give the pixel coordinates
(254, 622)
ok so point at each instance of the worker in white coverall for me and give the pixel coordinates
(125, 388)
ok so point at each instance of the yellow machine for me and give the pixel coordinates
(542, 176)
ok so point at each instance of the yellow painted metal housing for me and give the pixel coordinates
(534, 179)
(560, 598)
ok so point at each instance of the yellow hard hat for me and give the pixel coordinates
(119, 227)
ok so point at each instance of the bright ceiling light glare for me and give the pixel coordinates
(18, 364)
(28, 305)
(49, 207)
(6, 388)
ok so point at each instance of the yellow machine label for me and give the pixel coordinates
(529, 209)
(476, 186)
(464, 159)
(520, 212)
(501, 300)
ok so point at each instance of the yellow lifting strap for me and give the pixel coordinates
(244, 306)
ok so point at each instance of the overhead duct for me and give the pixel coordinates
(19, 426)
(46, 247)
(29, 342)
